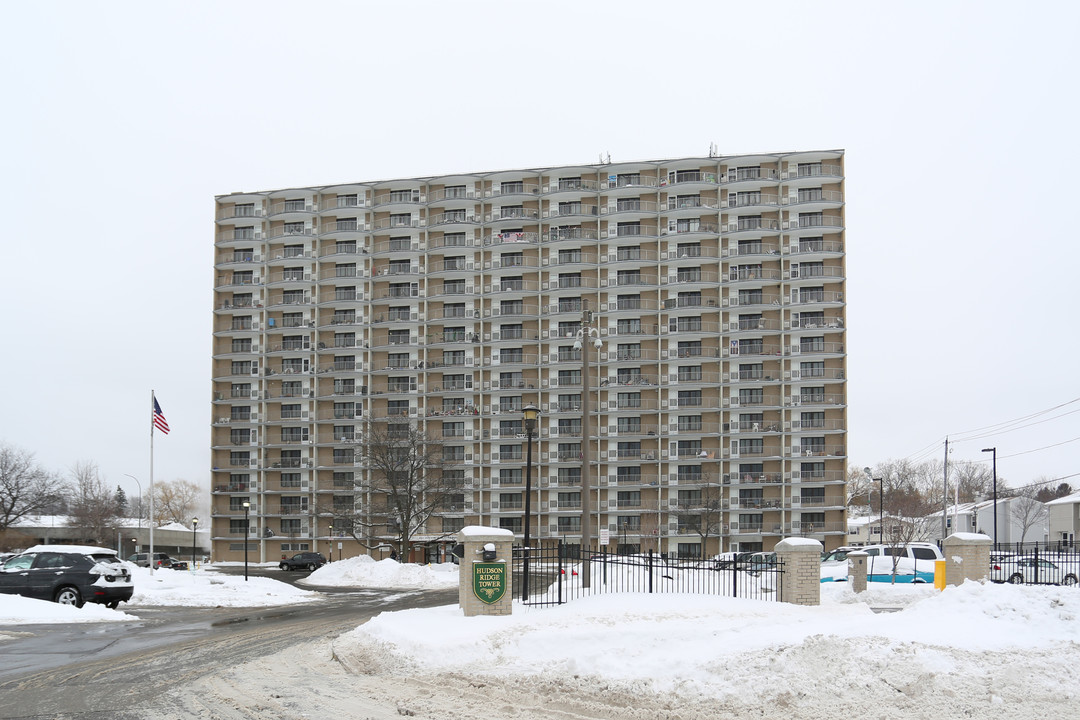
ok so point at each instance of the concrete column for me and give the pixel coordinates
(800, 582)
(857, 570)
(967, 557)
(482, 579)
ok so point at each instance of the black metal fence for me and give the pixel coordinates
(1035, 564)
(556, 574)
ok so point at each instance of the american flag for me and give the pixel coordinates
(159, 420)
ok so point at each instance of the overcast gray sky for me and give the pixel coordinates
(123, 120)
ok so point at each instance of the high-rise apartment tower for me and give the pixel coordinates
(717, 398)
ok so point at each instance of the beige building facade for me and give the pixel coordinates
(716, 287)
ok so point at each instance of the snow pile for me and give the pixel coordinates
(17, 610)
(364, 571)
(963, 647)
(205, 588)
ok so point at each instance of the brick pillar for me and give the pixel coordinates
(475, 538)
(857, 570)
(800, 583)
(967, 557)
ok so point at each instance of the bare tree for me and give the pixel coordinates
(176, 501)
(406, 479)
(700, 511)
(25, 487)
(92, 507)
(1027, 512)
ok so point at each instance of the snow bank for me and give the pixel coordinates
(364, 571)
(692, 645)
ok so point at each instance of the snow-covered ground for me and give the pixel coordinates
(979, 650)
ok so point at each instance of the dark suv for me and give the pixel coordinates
(309, 560)
(68, 574)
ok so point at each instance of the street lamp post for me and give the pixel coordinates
(584, 333)
(247, 532)
(881, 505)
(531, 412)
(138, 485)
(994, 451)
(194, 524)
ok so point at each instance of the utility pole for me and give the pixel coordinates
(945, 494)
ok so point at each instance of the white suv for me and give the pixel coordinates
(913, 563)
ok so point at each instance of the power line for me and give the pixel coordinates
(1047, 447)
(1005, 424)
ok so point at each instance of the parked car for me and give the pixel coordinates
(160, 560)
(1020, 570)
(727, 561)
(68, 574)
(179, 564)
(309, 560)
(914, 562)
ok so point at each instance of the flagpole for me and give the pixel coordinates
(150, 554)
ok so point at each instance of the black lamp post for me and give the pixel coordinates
(331, 542)
(531, 412)
(194, 524)
(247, 533)
(881, 505)
(994, 451)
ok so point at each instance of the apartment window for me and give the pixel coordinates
(689, 398)
(454, 310)
(451, 405)
(240, 436)
(628, 425)
(569, 476)
(686, 225)
(812, 344)
(238, 527)
(569, 329)
(293, 320)
(812, 470)
(510, 452)
(689, 474)
(625, 229)
(513, 524)
(510, 476)
(628, 351)
(512, 355)
(751, 297)
(401, 244)
(688, 324)
(569, 304)
(569, 377)
(812, 369)
(813, 446)
(628, 326)
(628, 277)
(690, 373)
(751, 446)
(511, 380)
(690, 423)
(809, 169)
(239, 458)
(629, 449)
(814, 219)
(570, 208)
(809, 194)
(291, 412)
(240, 413)
(569, 524)
(511, 427)
(241, 345)
(750, 222)
(294, 228)
(811, 244)
(569, 500)
(569, 451)
(511, 188)
(568, 403)
(812, 294)
(344, 386)
(751, 396)
(628, 474)
(400, 219)
(398, 267)
(629, 400)
(454, 240)
(292, 388)
(510, 404)
(240, 367)
(570, 427)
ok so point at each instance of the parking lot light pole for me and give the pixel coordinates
(581, 344)
(194, 524)
(530, 412)
(994, 451)
(247, 532)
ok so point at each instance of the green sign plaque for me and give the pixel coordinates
(489, 581)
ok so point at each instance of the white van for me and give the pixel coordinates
(914, 562)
